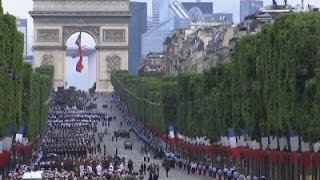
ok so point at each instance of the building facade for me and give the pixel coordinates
(248, 7)
(149, 24)
(222, 17)
(199, 48)
(254, 22)
(22, 27)
(137, 27)
(153, 62)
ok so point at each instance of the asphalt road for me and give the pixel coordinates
(134, 154)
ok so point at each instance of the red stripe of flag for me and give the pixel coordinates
(79, 66)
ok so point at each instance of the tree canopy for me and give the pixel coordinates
(271, 84)
(23, 91)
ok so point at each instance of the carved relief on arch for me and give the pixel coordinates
(47, 59)
(47, 35)
(113, 63)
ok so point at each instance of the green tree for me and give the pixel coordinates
(272, 83)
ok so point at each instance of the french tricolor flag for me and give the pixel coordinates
(306, 153)
(264, 142)
(283, 143)
(233, 143)
(316, 147)
(224, 141)
(242, 140)
(294, 146)
(273, 142)
(2, 155)
(20, 135)
(294, 140)
(1, 147)
(79, 66)
(8, 139)
(171, 132)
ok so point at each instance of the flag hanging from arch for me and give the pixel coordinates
(79, 66)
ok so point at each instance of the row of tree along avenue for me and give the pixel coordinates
(24, 92)
(268, 95)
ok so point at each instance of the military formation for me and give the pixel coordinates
(82, 144)
(68, 147)
(67, 133)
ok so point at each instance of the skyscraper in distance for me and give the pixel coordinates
(222, 17)
(22, 27)
(149, 24)
(177, 18)
(248, 7)
(160, 11)
(137, 27)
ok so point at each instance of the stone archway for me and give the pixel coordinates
(106, 21)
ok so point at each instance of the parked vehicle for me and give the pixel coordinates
(169, 161)
(128, 145)
(123, 134)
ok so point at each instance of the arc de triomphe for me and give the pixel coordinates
(105, 20)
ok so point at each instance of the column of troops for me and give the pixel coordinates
(67, 133)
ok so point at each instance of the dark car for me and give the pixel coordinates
(159, 154)
(170, 161)
(128, 145)
(123, 134)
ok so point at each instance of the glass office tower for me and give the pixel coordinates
(137, 27)
(177, 18)
(22, 27)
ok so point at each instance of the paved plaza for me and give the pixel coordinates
(134, 154)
